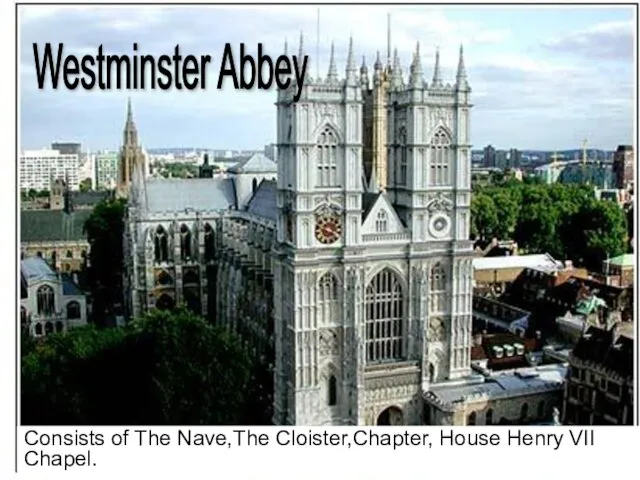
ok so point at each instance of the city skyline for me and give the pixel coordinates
(533, 79)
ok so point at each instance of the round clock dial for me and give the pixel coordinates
(328, 229)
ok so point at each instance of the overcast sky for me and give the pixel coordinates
(541, 78)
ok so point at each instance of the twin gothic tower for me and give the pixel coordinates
(373, 272)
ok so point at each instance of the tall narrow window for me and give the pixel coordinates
(438, 289)
(382, 222)
(161, 245)
(471, 419)
(209, 243)
(541, 410)
(402, 154)
(384, 318)
(524, 411)
(46, 300)
(333, 391)
(185, 243)
(440, 159)
(327, 159)
(488, 418)
(327, 298)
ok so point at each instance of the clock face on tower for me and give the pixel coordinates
(328, 228)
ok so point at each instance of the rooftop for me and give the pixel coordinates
(544, 262)
(52, 225)
(626, 260)
(264, 202)
(524, 380)
(256, 163)
(164, 195)
(603, 347)
(36, 269)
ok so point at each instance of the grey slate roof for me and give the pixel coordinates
(52, 225)
(69, 287)
(173, 195)
(257, 163)
(264, 202)
(35, 269)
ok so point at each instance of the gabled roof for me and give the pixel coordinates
(379, 204)
(601, 347)
(36, 269)
(626, 260)
(264, 202)
(256, 163)
(52, 225)
(173, 195)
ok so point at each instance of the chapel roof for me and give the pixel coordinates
(179, 194)
(52, 225)
(264, 202)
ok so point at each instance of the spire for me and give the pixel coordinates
(351, 63)
(301, 48)
(286, 46)
(332, 76)
(437, 78)
(416, 69)
(364, 74)
(130, 131)
(377, 69)
(397, 70)
(461, 76)
(388, 39)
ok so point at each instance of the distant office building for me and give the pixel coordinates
(623, 161)
(489, 160)
(38, 168)
(501, 159)
(599, 388)
(106, 166)
(67, 148)
(514, 158)
(49, 302)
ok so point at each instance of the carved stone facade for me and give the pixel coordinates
(366, 319)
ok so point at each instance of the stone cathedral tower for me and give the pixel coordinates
(373, 276)
(130, 154)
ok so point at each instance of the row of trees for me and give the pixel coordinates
(167, 368)
(565, 221)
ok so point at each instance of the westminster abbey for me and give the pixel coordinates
(346, 264)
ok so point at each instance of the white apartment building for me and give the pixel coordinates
(39, 167)
(106, 164)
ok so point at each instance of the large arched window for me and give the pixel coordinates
(185, 243)
(402, 153)
(161, 245)
(48, 328)
(384, 318)
(209, 242)
(327, 298)
(437, 289)
(73, 310)
(382, 222)
(440, 159)
(327, 158)
(46, 300)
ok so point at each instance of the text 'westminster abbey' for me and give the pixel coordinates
(346, 265)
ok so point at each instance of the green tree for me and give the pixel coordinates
(85, 185)
(507, 209)
(167, 368)
(104, 229)
(597, 230)
(484, 216)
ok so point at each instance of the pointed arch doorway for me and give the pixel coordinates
(391, 416)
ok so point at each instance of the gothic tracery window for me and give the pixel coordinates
(438, 288)
(440, 159)
(161, 245)
(185, 243)
(327, 298)
(384, 318)
(46, 300)
(327, 158)
(471, 419)
(382, 222)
